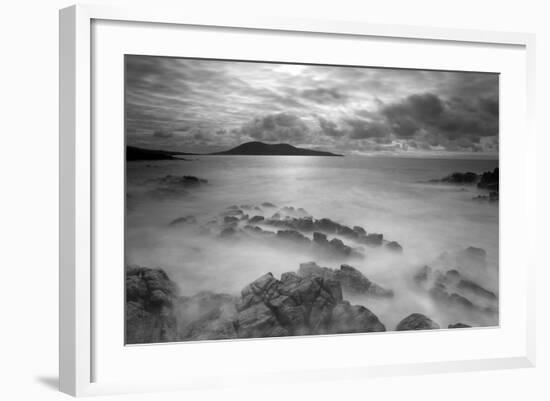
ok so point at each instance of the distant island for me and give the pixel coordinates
(266, 149)
(250, 148)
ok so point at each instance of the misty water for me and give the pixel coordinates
(388, 195)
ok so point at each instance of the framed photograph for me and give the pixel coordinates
(346, 196)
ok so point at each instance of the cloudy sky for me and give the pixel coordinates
(208, 105)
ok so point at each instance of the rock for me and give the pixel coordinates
(150, 296)
(476, 289)
(338, 246)
(231, 221)
(359, 230)
(372, 239)
(422, 275)
(256, 219)
(320, 239)
(298, 305)
(348, 318)
(461, 178)
(268, 205)
(489, 180)
(458, 326)
(303, 224)
(327, 225)
(351, 279)
(293, 236)
(267, 307)
(345, 231)
(394, 246)
(416, 321)
(183, 220)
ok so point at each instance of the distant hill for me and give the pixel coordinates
(134, 154)
(265, 149)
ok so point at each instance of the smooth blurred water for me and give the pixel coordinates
(388, 195)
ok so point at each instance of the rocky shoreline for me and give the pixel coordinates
(308, 299)
(311, 300)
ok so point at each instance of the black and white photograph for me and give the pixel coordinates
(268, 199)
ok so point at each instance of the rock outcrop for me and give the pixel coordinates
(150, 299)
(417, 321)
(458, 326)
(267, 307)
(352, 280)
(451, 289)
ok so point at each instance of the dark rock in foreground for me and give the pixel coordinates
(298, 305)
(267, 307)
(150, 299)
(458, 326)
(351, 279)
(417, 321)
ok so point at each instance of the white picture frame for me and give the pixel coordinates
(78, 158)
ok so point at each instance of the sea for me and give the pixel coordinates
(394, 196)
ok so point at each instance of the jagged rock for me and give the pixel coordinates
(327, 225)
(416, 321)
(371, 239)
(150, 296)
(359, 230)
(336, 245)
(231, 220)
(320, 239)
(345, 231)
(256, 219)
(294, 236)
(348, 318)
(458, 326)
(299, 305)
(183, 220)
(351, 279)
(476, 289)
(450, 289)
(394, 246)
(303, 224)
(267, 307)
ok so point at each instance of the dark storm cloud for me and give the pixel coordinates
(275, 128)
(206, 105)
